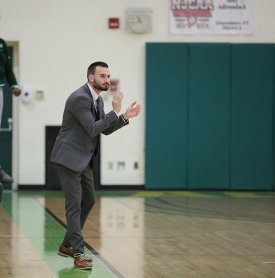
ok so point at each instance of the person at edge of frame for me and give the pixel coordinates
(6, 75)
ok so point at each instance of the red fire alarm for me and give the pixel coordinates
(113, 22)
(114, 85)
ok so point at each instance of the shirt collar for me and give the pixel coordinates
(94, 94)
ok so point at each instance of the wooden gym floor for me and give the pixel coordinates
(143, 234)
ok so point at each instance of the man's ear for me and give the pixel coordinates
(91, 77)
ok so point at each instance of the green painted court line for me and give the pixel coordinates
(45, 234)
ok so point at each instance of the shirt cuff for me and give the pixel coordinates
(125, 120)
(115, 113)
(15, 87)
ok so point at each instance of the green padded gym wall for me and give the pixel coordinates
(166, 115)
(252, 117)
(208, 134)
(209, 116)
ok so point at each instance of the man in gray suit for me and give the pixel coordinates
(75, 147)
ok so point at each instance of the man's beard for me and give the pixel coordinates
(99, 87)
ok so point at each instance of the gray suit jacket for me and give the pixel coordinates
(78, 135)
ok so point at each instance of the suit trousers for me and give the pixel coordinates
(79, 192)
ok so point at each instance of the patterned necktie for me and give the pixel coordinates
(97, 109)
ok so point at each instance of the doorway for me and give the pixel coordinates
(6, 130)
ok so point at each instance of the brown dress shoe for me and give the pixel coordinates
(65, 251)
(81, 263)
(69, 252)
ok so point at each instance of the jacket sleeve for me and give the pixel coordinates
(81, 109)
(117, 125)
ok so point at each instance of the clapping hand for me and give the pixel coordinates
(116, 102)
(132, 111)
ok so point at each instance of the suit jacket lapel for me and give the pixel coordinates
(87, 90)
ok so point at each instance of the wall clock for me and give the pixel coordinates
(139, 20)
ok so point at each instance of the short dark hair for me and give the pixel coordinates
(92, 67)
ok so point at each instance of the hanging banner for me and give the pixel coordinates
(234, 17)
